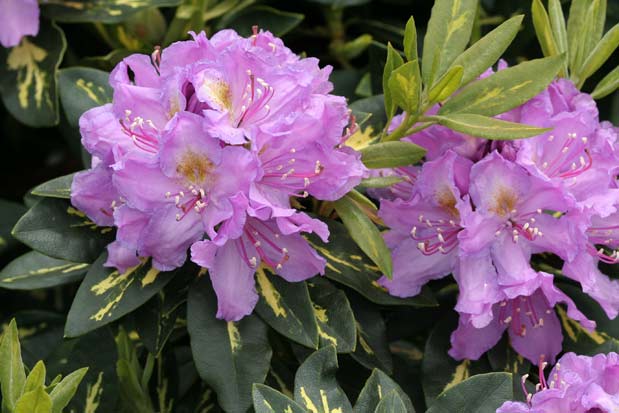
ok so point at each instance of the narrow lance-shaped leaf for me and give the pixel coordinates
(56, 188)
(394, 60)
(487, 50)
(575, 20)
(364, 233)
(448, 33)
(12, 373)
(404, 85)
(487, 127)
(557, 23)
(607, 85)
(34, 270)
(506, 89)
(446, 85)
(543, 29)
(600, 54)
(410, 40)
(590, 34)
(391, 154)
(65, 390)
(108, 11)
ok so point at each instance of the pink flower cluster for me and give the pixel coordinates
(481, 209)
(203, 147)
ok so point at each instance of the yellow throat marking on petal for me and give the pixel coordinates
(505, 201)
(25, 58)
(447, 201)
(195, 168)
(219, 92)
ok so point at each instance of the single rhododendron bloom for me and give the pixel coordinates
(577, 384)
(203, 147)
(18, 18)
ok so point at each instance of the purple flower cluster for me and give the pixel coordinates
(481, 209)
(203, 148)
(578, 384)
(18, 18)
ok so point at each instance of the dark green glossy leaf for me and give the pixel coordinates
(106, 295)
(448, 33)
(340, 4)
(391, 154)
(56, 188)
(347, 265)
(391, 403)
(334, 316)
(276, 21)
(53, 227)
(487, 50)
(230, 356)
(108, 11)
(364, 232)
(28, 76)
(483, 393)
(34, 270)
(374, 106)
(505, 89)
(486, 127)
(315, 386)
(268, 400)
(372, 349)
(82, 88)
(10, 213)
(376, 388)
(286, 307)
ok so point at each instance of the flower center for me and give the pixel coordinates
(504, 202)
(195, 168)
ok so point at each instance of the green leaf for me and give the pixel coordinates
(336, 322)
(12, 374)
(372, 349)
(340, 4)
(276, 21)
(394, 60)
(286, 307)
(486, 127)
(440, 372)
(82, 88)
(28, 76)
(391, 403)
(268, 400)
(607, 85)
(53, 227)
(65, 390)
(10, 213)
(107, 11)
(557, 22)
(599, 55)
(448, 33)
(543, 29)
(391, 154)
(230, 356)
(373, 106)
(375, 390)
(410, 40)
(503, 357)
(315, 386)
(36, 377)
(404, 85)
(575, 24)
(35, 401)
(34, 270)
(347, 265)
(487, 50)
(483, 393)
(446, 85)
(56, 188)
(106, 295)
(364, 232)
(353, 48)
(380, 181)
(505, 89)
(590, 33)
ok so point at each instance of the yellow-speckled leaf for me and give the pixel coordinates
(286, 307)
(108, 11)
(348, 265)
(106, 295)
(55, 228)
(34, 270)
(268, 400)
(28, 76)
(82, 88)
(56, 188)
(315, 386)
(376, 388)
(229, 356)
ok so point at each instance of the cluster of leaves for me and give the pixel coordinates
(150, 339)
